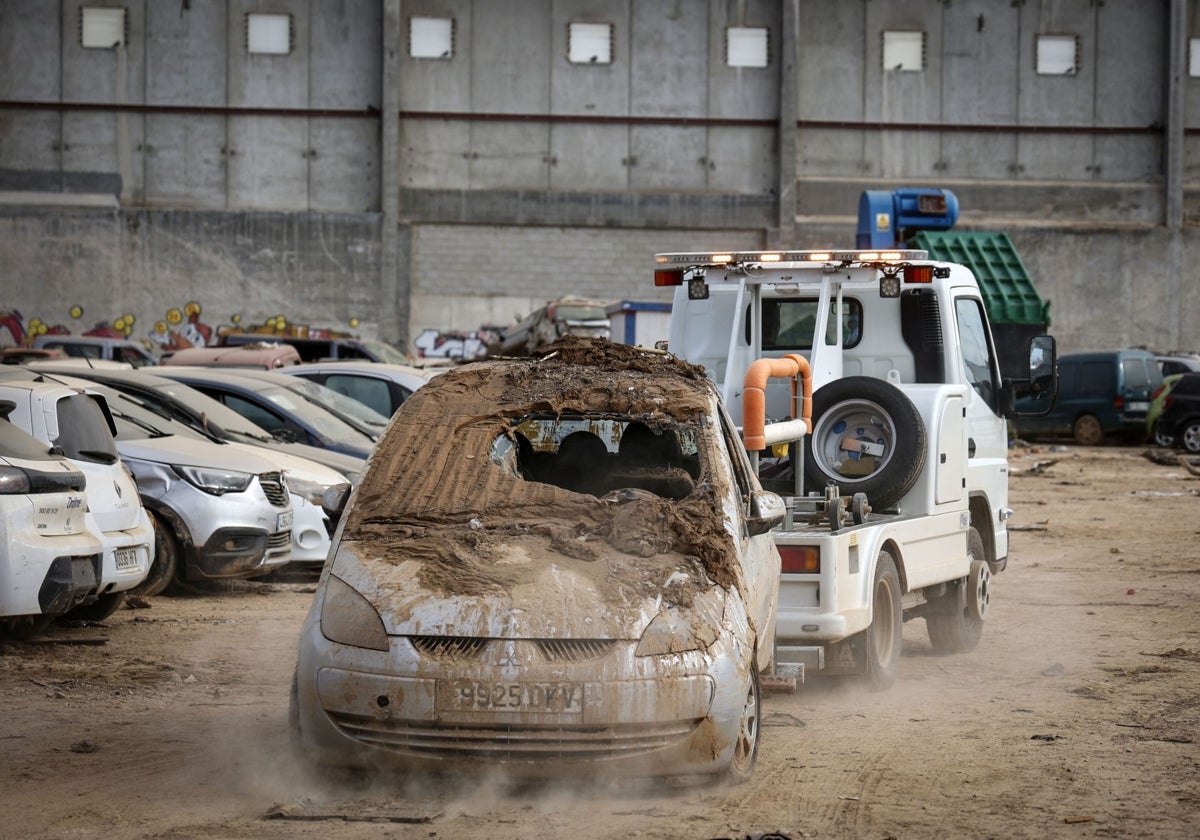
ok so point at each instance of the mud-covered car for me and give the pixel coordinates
(552, 566)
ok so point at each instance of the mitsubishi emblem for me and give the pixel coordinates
(509, 657)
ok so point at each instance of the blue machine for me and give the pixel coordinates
(887, 218)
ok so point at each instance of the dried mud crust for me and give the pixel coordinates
(434, 494)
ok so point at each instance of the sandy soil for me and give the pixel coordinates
(1076, 717)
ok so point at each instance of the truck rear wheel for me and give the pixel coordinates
(955, 623)
(868, 437)
(883, 640)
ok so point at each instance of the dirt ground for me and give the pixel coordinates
(1078, 715)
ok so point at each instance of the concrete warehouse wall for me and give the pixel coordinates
(346, 184)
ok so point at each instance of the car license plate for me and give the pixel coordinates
(1137, 405)
(481, 696)
(126, 559)
(284, 521)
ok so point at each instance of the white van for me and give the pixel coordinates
(78, 424)
(49, 560)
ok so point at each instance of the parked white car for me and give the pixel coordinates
(49, 560)
(78, 424)
(575, 576)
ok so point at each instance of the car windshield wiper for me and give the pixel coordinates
(98, 455)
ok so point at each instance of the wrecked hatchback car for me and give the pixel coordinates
(552, 566)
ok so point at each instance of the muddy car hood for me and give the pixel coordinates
(527, 589)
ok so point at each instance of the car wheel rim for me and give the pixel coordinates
(747, 730)
(1191, 438)
(981, 589)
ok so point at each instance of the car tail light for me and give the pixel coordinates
(1157, 391)
(1119, 403)
(800, 559)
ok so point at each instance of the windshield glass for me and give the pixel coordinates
(214, 412)
(324, 422)
(581, 313)
(384, 352)
(340, 403)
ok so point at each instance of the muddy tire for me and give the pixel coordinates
(745, 751)
(100, 609)
(883, 640)
(955, 623)
(875, 417)
(167, 557)
(1087, 431)
(22, 628)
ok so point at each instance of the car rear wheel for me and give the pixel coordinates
(166, 559)
(955, 623)
(1160, 439)
(1190, 438)
(1087, 431)
(98, 610)
(745, 751)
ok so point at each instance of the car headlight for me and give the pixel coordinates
(349, 619)
(214, 481)
(305, 488)
(678, 629)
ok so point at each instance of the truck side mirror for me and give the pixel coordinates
(1038, 393)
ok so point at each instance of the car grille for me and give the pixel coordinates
(272, 485)
(449, 647)
(279, 543)
(513, 743)
(553, 650)
(574, 650)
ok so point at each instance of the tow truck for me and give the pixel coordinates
(871, 398)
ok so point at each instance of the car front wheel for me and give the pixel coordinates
(745, 751)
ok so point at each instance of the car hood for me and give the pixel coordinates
(294, 465)
(517, 585)
(188, 452)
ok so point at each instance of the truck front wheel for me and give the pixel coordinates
(867, 437)
(955, 621)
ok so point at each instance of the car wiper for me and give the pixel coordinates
(99, 455)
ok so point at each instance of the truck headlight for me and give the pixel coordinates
(214, 481)
(349, 619)
(679, 629)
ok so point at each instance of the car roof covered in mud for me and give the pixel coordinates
(436, 490)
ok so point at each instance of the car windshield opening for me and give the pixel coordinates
(602, 455)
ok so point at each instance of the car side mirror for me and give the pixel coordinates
(767, 510)
(333, 502)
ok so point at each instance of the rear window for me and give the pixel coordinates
(789, 323)
(83, 431)
(1137, 378)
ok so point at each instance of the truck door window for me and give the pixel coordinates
(789, 323)
(978, 365)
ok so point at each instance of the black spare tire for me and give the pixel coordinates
(868, 437)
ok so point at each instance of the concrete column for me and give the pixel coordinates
(393, 266)
(1175, 116)
(784, 233)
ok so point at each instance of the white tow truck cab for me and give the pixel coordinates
(896, 470)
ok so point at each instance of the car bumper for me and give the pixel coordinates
(127, 556)
(674, 716)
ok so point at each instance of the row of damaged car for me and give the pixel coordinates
(215, 497)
